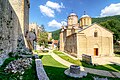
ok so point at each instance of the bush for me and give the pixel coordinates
(11, 54)
(117, 52)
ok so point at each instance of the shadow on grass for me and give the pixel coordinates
(31, 74)
(57, 73)
(117, 67)
(107, 67)
(40, 56)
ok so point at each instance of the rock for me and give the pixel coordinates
(18, 66)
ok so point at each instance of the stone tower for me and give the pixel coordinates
(85, 21)
(21, 8)
(72, 20)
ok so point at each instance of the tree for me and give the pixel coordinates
(43, 28)
(43, 39)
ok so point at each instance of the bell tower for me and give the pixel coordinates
(72, 20)
(85, 20)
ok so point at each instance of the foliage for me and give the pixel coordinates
(117, 49)
(56, 34)
(108, 67)
(103, 19)
(11, 54)
(43, 28)
(43, 39)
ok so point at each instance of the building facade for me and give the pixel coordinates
(85, 38)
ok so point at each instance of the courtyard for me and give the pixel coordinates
(55, 69)
(59, 40)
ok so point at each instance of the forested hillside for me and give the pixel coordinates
(112, 23)
(55, 34)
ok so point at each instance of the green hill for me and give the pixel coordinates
(111, 22)
(56, 34)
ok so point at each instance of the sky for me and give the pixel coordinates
(53, 13)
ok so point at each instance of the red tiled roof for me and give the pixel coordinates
(55, 41)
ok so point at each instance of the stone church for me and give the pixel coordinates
(83, 37)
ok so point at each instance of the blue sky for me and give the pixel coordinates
(53, 13)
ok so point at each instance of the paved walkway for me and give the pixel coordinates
(89, 70)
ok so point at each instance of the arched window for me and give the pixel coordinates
(95, 34)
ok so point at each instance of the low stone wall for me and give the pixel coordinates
(40, 70)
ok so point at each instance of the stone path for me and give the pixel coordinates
(89, 70)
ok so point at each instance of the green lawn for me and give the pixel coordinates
(55, 70)
(108, 67)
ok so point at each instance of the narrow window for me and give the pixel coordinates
(95, 34)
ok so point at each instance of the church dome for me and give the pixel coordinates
(85, 16)
(73, 14)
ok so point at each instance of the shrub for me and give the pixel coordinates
(11, 54)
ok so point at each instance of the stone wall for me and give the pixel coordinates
(71, 44)
(8, 26)
(40, 70)
(12, 24)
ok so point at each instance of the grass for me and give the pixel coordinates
(6, 76)
(31, 74)
(108, 67)
(55, 70)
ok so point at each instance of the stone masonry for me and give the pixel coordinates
(14, 21)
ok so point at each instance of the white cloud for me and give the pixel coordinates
(56, 24)
(55, 5)
(49, 8)
(113, 9)
(47, 11)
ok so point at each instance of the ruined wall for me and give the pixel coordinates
(8, 29)
(21, 8)
(12, 26)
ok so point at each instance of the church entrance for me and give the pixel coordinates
(95, 51)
